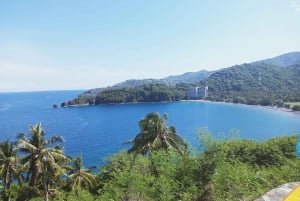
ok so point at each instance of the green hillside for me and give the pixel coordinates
(265, 82)
(262, 84)
(143, 93)
(254, 84)
(285, 60)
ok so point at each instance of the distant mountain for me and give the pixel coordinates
(190, 77)
(136, 83)
(255, 83)
(284, 60)
(266, 82)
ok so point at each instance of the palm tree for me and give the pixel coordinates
(80, 176)
(156, 134)
(8, 167)
(42, 159)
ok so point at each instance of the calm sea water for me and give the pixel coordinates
(97, 132)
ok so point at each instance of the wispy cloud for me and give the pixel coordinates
(26, 67)
(23, 77)
(22, 52)
(30, 77)
(296, 7)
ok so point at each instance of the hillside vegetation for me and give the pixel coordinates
(158, 166)
(258, 84)
(267, 82)
(143, 93)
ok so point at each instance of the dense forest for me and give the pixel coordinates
(144, 93)
(159, 165)
(253, 84)
(274, 81)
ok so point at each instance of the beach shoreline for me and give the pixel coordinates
(275, 108)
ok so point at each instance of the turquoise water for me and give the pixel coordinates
(99, 131)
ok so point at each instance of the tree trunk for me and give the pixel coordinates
(46, 192)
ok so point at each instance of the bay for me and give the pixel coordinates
(97, 132)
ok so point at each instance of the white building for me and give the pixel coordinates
(198, 92)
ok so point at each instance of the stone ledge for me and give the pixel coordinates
(278, 194)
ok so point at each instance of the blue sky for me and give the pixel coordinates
(69, 44)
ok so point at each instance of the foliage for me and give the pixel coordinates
(171, 88)
(156, 134)
(80, 177)
(120, 178)
(8, 168)
(255, 84)
(237, 169)
(153, 92)
(226, 168)
(161, 177)
(293, 105)
(41, 159)
(144, 93)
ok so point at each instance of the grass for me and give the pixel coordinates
(292, 104)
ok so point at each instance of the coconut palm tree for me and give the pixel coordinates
(81, 177)
(156, 134)
(8, 168)
(42, 158)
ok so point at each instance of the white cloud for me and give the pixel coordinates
(21, 52)
(23, 70)
(25, 67)
(296, 7)
(21, 66)
(24, 77)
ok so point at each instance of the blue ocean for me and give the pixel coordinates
(97, 132)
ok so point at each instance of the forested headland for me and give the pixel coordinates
(159, 165)
(272, 82)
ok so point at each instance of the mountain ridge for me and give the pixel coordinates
(263, 82)
(283, 60)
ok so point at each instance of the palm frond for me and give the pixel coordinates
(54, 139)
(21, 136)
(2, 170)
(2, 156)
(155, 134)
(23, 145)
(89, 179)
(128, 142)
(157, 143)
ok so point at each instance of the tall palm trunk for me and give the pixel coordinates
(46, 194)
(7, 186)
(41, 157)
(34, 175)
(45, 185)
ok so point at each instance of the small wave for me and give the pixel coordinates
(5, 107)
(84, 125)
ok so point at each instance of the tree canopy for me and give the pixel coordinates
(227, 168)
(253, 84)
(156, 134)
